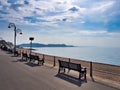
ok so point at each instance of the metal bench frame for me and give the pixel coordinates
(34, 58)
(72, 66)
(24, 55)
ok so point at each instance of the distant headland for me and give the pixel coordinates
(44, 45)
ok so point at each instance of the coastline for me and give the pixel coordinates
(101, 72)
(94, 54)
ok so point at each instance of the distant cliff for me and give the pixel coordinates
(44, 45)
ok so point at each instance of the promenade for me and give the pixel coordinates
(19, 75)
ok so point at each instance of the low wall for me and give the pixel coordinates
(104, 71)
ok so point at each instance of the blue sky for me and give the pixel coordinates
(74, 22)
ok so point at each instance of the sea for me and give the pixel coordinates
(95, 54)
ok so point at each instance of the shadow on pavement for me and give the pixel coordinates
(71, 79)
(92, 79)
(32, 64)
(22, 60)
(19, 60)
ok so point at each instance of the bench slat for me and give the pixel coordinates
(74, 66)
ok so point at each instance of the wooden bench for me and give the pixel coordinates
(10, 50)
(4, 48)
(35, 57)
(24, 55)
(72, 66)
(17, 53)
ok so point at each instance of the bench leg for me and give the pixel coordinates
(26, 58)
(64, 70)
(40, 62)
(79, 76)
(22, 58)
(85, 76)
(59, 70)
(29, 60)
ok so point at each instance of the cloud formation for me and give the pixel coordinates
(81, 20)
(38, 11)
(47, 12)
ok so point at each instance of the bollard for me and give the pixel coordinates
(69, 59)
(91, 69)
(43, 56)
(54, 61)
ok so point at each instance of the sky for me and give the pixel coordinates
(72, 22)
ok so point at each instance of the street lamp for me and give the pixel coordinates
(15, 33)
(31, 39)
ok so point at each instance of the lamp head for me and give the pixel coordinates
(31, 38)
(21, 33)
(11, 25)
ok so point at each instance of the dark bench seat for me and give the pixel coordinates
(24, 55)
(10, 50)
(17, 53)
(35, 57)
(72, 66)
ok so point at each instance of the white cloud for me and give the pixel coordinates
(55, 11)
(102, 6)
(41, 9)
(99, 11)
(86, 32)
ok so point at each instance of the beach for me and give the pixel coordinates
(20, 75)
(106, 73)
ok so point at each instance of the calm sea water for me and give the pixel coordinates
(95, 54)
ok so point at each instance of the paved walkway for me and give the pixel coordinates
(17, 75)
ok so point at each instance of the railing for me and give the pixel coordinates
(105, 71)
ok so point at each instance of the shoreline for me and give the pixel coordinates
(98, 55)
(105, 73)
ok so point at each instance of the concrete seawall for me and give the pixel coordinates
(99, 72)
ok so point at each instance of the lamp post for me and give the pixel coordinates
(15, 33)
(31, 39)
